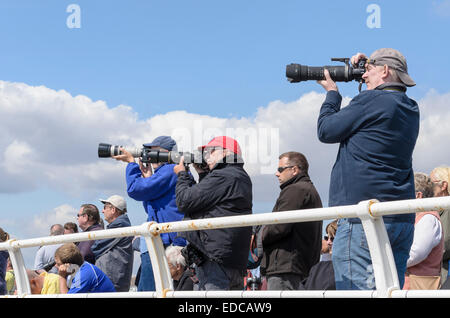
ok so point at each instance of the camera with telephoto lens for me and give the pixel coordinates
(149, 155)
(297, 73)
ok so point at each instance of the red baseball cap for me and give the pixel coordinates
(224, 142)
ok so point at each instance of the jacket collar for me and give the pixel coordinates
(93, 226)
(300, 177)
(120, 221)
(227, 161)
(392, 86)
(160, 166)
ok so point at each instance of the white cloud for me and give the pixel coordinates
(432, 147)
(40, 224)
(17, 154)
(49, 139)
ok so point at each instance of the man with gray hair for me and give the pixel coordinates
(115, 256)
(377, 133)
(45, 256)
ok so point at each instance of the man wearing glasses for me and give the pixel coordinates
(291, 249)
(220, 255)
(377, 133)
(114, 256)
(88, 220)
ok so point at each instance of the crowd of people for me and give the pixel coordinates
(376, 133)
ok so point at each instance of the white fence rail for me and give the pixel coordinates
(370, 212)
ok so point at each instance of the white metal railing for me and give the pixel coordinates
(370, 212)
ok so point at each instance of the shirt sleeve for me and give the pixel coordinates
(193, 197)
(336, 124)
(151, 188)
(82, 281)
(427, 235)
(291, 199)
(38, 263)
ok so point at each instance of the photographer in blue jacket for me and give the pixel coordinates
(376, 133)
(156, 189)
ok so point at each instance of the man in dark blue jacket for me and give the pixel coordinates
(157, 192)
(377, 133)
(226, 190)
(114, 256)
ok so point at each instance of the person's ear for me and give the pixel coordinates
(385, 71)
(419, 195)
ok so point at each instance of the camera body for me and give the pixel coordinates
(149, 155)
(297, 73)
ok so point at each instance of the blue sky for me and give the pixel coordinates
(132, 64)
(211, 57)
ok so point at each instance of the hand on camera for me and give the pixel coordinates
(125, 156)
(145, 170)
(328, 84)
(179, 167)
(355, 58)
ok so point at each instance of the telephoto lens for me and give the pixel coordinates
(343, 73)
(195, 157)
(297, 73)
(108, 150)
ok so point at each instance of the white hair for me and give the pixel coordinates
(174, 256)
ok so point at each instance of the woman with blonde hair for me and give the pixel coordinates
(440, 177)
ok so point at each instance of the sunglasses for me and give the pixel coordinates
(281, 169)
(78, 215)
(208, 151)
(326, 238)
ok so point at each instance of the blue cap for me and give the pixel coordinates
(164, 142)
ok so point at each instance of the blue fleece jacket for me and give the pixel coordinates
(158, 195)
(377, 133)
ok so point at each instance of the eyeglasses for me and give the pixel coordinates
(208, 151)
(281, 169)
(326, 238)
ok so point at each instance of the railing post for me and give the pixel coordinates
(20, 271)
(161, 272)
(385, 271)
